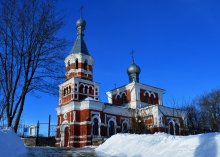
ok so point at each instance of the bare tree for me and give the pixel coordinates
(210, 109)
(30, 53)
(203, 113)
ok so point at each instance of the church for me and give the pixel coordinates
(83, 117)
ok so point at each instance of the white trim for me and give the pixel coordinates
(81, 136)
(147, 92)
(80, 141)
(80, 123)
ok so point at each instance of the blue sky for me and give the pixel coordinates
(176, 44)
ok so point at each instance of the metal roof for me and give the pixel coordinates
(79, 44)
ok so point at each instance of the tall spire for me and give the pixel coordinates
(80, 45)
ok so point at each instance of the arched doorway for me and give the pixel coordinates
(66, 137)
(111, 128)
(171, 128)
(95, 127)
(177, 129)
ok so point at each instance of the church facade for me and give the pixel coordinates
(82, 116)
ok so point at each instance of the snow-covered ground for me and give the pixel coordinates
(161, 145)
(11, 145)
(121, 145)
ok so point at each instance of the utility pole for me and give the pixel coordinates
(49, 126)
(37, 138)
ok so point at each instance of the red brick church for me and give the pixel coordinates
(82, 116)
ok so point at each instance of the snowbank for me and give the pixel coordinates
(10, 144)
(161, 145)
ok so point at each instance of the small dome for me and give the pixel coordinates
(81, 22)
(133, 68)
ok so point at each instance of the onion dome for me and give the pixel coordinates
(134, 68)
(81, 23)
(133, 71)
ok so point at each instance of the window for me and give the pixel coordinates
(85, 65)
(68, 66)
(75, 96)
(69, 89)
(146, 97)
(90, 90)
(111, 128)
(124, 98)
(81, 88)
(118, 99)
(95, 127)
(152, 99)
(86, 90)
(76, 64)
(124, 128)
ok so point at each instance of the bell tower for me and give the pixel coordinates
(79, 83)
(79, 63)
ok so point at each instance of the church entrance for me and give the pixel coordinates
(171, 128)
(66, 137)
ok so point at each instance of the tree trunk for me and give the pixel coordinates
(19, 115)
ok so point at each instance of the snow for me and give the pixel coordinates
(161, 145)
(10, 144)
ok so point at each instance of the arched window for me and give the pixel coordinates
(152, 99)
(177, 129)
(124, 128)
(68, 66)
(81, 88)
(67, 92)
(146, 97)
(76, 64)
(95, 127)
(90, 90)
(86, 89)
(124, 98)
(118, 99)
(69, 89)
(171, 128)
(64, 91)
(111, 128)
(85, 65)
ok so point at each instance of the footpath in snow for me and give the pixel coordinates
(161, 145)
(11, 145)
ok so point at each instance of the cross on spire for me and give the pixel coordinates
(81, 11)
(132, 55)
